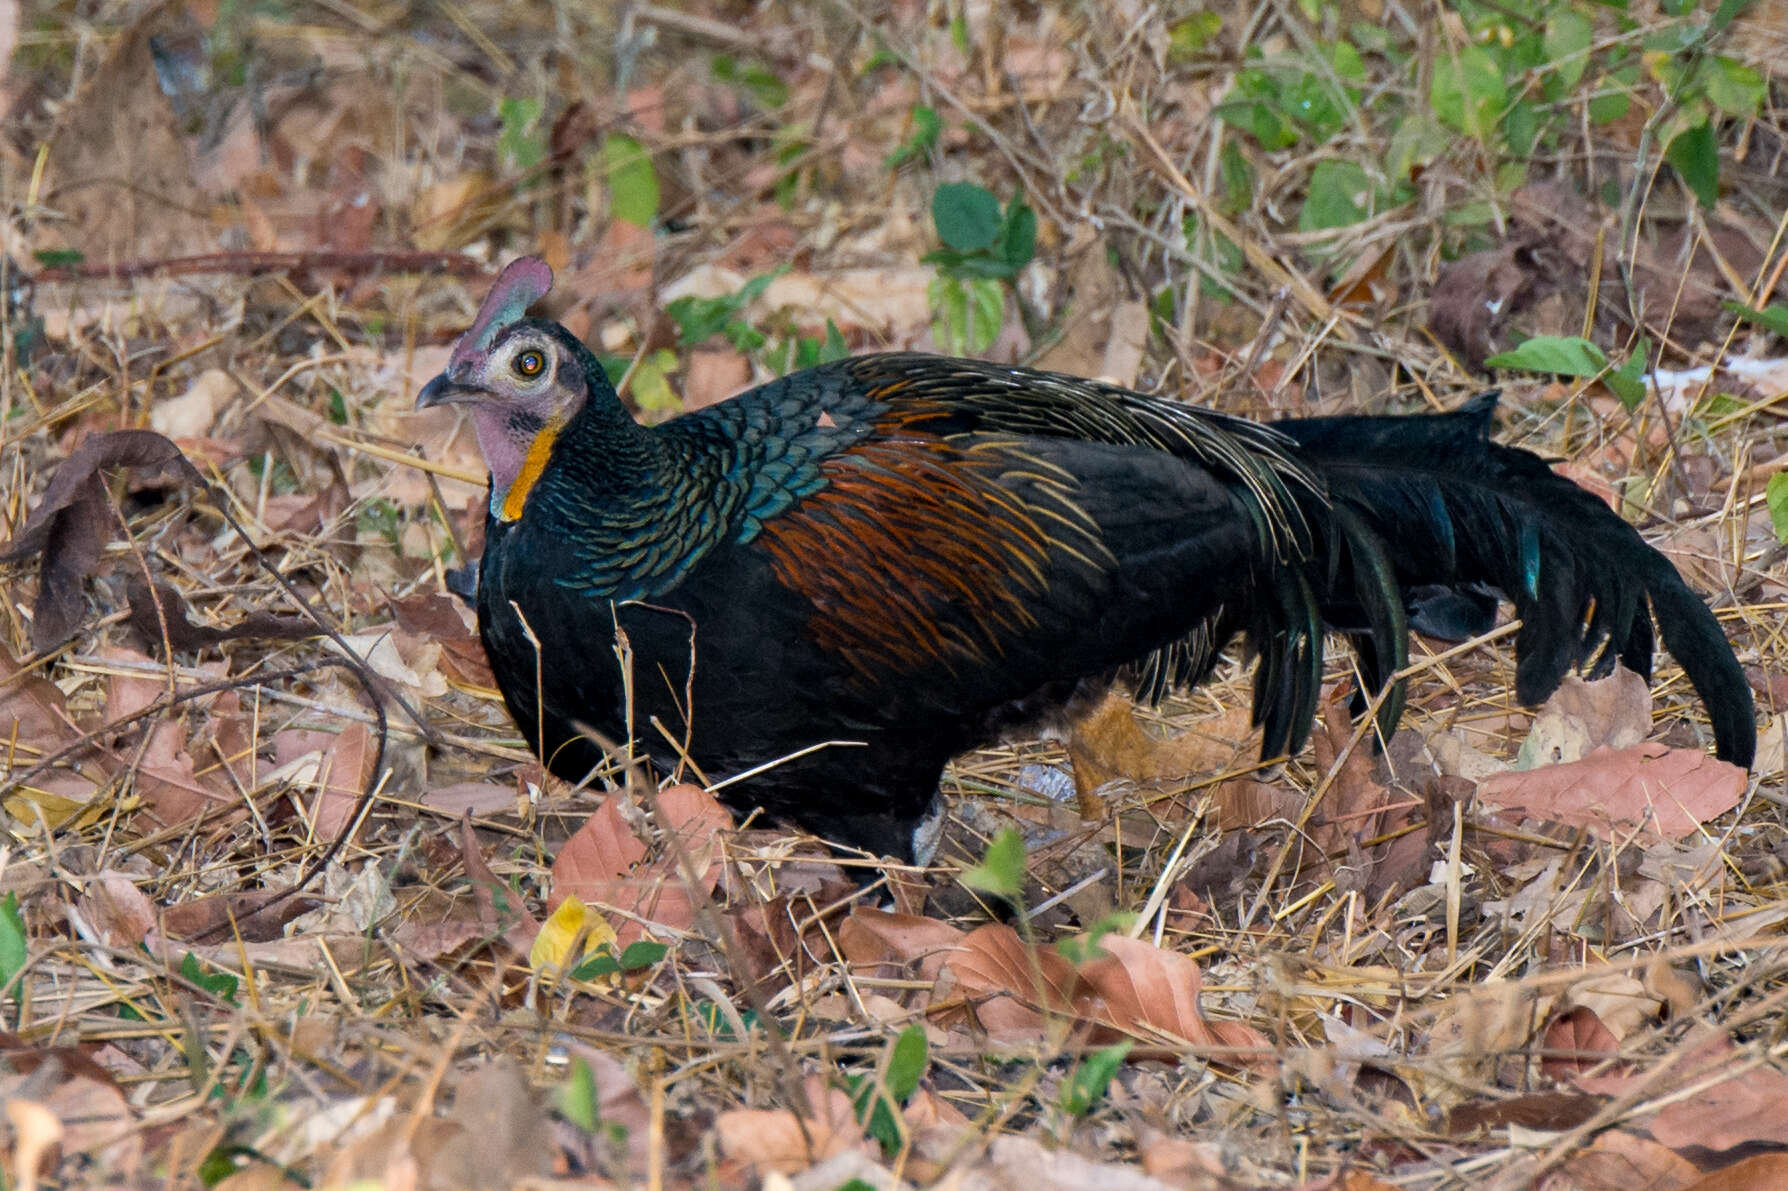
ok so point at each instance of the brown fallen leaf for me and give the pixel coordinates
(168, 781)
(1750, 1106)
(697, 821)
(603, 849)
(1581, 716)
(1142, 990)
(33, 711)
(503, 1136)
(350, 763)
(444, 619)
(74, 520)
(1649, 792)
(478, 798)
(1551, 1112)
(257, 915)
(1622, 1161)
(1748, 1174)
(117, 910)
(619, 1103)
(507, 917)
(604, 864)
(896, 946)
(773, 1140)
(1576, 1042)
(1007, 984)
(714, 374)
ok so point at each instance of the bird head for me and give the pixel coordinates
(521, 378)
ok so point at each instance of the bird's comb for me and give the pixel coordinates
(523, 282)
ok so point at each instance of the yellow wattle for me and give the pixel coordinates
(532, 465)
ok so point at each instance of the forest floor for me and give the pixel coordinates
(287, 903)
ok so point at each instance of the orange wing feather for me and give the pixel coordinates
(922, 550)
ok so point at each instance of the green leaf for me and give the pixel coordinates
(1347, 62)
(1001, 871)
(1259, 121)
(1018, 236)
(966, 313)
(769, 91)
(642, 954)
(1775, 494)
(59, 258)
(1188, 37)
(1773, 317)
(1562, 355)
(522, 141)
(876, 1112)
(219, 984)
(632, 181)
(650, 385)
(12, 940)
(1628, 381)
(907, 1062)
(927, 125)
(1086, 1086)
(1566, 45)
(1696, 157)
(1086, 948)
(1726, 14)
(1340, 194)
(1614, 96)
(967, 216)
(1468, 93)
(576, 1098)
(1238, 177)
(1733, 87)
(1520, 128)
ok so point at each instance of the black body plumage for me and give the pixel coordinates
(840, 580)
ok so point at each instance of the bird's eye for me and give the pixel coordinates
(529, 363)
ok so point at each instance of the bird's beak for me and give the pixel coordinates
(444, 390)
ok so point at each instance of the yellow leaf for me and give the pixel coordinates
(564, 938)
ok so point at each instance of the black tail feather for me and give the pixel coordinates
(1430, 502)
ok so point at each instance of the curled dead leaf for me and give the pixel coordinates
(74, 520)
(160, 616)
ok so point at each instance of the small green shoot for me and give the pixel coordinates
(983, 247)
(576, 1098)
(1572, 355)
(635, 957)
(877, 1103)
(927, 126)
(1773, 317)
(1085, 948)
(1775, 494)
(1001, 871)
(221, 985)
(12, 940)
(699, 319)
(765, 88)
(1086, 1086)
